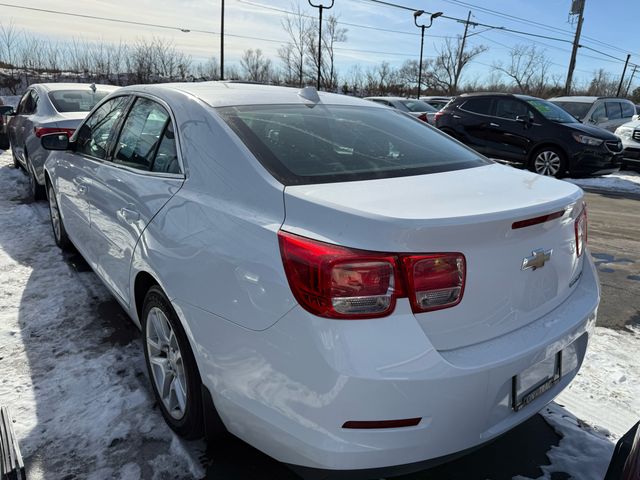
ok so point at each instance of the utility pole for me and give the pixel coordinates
(222, 42)
(623, 72)
(576, 42)
(633, 73)
(461, 52)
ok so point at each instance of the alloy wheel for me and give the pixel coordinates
(166, 362)
(547, 163)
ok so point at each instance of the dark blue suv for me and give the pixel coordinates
(532, 132)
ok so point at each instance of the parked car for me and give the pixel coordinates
(5, 112)
(532, 132)
(604, 112)
(625, 463)
(48, 108)
(416, 300)
(436, 102)
(413, 107)
(629, 133)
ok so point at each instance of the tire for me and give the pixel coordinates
(16, 163)
(172, 366)
(36, 191)
(59, 232)
(548, 161)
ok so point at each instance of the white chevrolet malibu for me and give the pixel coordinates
(345, 287)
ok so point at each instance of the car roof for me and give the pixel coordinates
(391, 98)
(584, 98)
(53, 87)
(226, 94)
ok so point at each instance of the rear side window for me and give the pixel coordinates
(628, 110)
(299, 144)
(95, 135)
(598, 113)
(478, 105)
(166, 159)
(75, 100)
(577, 109)
(613, 109)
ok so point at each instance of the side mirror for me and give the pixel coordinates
(55, 141)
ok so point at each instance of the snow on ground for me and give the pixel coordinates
(75, 380)
(623, 181)
(76, 388)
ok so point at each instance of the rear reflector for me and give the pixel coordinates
(407, 422)
(40, 131)
(536, 220)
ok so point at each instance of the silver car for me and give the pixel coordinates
(604, 112)
(416, 108)
(48, 108)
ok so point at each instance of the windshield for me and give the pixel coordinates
(417, 106)
(75, 100)
(577, 109)
(551, 112)
(299, 144)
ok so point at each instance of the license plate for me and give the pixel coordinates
(535, 380)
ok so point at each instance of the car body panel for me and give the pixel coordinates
(599, 111)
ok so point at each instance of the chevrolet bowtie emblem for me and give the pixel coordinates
(537, 259)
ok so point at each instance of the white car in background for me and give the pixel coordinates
(346, 287)
(48, 108)
(416, 108)
(629, 133)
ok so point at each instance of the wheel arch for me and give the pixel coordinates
(142, 283)
(546, 144)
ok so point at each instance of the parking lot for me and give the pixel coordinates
(74, 375)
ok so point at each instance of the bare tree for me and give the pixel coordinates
(9, 42)
(292, 54)
(332, 33)
(210, 70)
(602, 84)
(444, 73)
(528, 68)
(256, 67)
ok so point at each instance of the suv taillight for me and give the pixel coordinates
(437, 116)
(338, 282)
(581, 231)
(423, 117)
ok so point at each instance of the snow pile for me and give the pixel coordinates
(75, 384)
(624, 181)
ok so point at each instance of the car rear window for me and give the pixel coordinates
(75, 100)
(417, 106)
(299, 144)
(577, 109)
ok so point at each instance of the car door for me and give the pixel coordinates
(73, 170)
(141, 174)
(473, 121)
(511, 129)
(19, 125)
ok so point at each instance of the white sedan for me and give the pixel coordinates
(346, 287)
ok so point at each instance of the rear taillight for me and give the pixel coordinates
(437, 116)
(581, 231)
(423, 117)
(434, 281)
(40, 131)
(337, 282)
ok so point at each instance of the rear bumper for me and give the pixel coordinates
(289, 389)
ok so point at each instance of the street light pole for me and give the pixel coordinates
(222, 41)
(320, 7)
(416, 14)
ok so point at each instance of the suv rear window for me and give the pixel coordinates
(477, 105)
(299, 144)
(75, 100)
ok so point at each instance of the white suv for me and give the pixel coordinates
(630, 135)
(604, 112)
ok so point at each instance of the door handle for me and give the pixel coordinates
(129, 215)
(456, 116)
(493, 124)
(82, 189)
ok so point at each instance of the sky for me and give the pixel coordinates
(609, 27)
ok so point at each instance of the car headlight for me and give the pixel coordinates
(625, 132)
(587, 140)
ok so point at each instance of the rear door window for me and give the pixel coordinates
(510, 108)
(598, 113)
(333, 143)
(95, 136)
(481, 106)
(628, 109)
(614, 111)
(166, 159)
(141, 134)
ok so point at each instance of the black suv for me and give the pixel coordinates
(530, 131)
